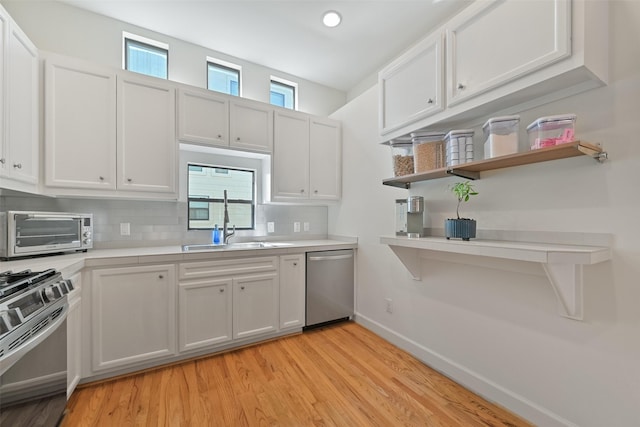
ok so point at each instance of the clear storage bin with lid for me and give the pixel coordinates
(552, 130)
(402, 156)
(501, 136)
(459, 147)
(428, 150)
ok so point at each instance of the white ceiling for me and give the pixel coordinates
(288, 35)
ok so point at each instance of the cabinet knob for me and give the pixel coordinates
(221, 290)
(160, 276)
(315, 191)
(295, 264)
(17, 165)
(219, 136)
(429, 101)
(2, 161)
(129, 180)
(242, 288)
(461, 86)
(238, 138)
(101, 178)
(302, 191)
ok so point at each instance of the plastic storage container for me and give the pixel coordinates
(552, 130)
(402, 157)
(428, 150)
(501, 136)
(459, 147)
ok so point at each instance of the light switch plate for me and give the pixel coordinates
(125, 229)
(271, 227)
(305, 226)
(296, 227)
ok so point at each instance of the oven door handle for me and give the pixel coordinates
(11, 357)
(61, 217)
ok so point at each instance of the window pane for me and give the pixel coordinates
(223, 79)
(206, 185)
(282, 95)
(146, 59)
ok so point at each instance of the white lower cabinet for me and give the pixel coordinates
(132, 315)
(204, 308)
(255, 305)
(74, 333)
(292, 291)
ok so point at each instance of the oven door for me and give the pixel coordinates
(33, 386)
(38, 233)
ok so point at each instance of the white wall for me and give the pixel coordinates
(57, 27)
(494, 326)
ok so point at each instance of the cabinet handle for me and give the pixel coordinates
(429, 101)
(461, 86)
(160, 276)
(17, 165)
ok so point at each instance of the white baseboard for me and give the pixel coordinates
(471, 380)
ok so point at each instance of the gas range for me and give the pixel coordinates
(31, 305)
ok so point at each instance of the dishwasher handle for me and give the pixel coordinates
(329, 257)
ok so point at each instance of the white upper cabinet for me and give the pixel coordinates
(500, 55)
(494, 42)
(203, 118)
(307, 158)
(325, 159)
(411, 87)
(251, 125)
(290, 169)
(19, 120)
(146, 146)
(80, 125)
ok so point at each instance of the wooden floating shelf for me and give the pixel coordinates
(562, 264)
(472, 170)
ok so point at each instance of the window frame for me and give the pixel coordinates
(253, 202)
(219, 63)
(278, 81)
(145, 42)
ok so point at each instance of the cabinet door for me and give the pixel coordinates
(292, 291)
(325, 159)
(204, 308)
(146, 143)
(22, 107)
(132, 315)
(4, 31)
(203, 118)
(255, 305)
(494, 42)
(412, 87)
(80, 125)
(251, 126)
(290, 160)
(74, 333)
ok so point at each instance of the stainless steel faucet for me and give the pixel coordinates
(225, 235)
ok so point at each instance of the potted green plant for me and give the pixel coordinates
(461, 228)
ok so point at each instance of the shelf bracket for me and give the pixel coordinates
(600, 156)
(410, 258)
(397, 184)
(566, 280)
(464, 174)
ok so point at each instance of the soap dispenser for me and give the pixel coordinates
(215, 235)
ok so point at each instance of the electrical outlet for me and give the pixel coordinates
(271, 227)
(296, 227)
(389, 302)
(305, 226)
(125, 229)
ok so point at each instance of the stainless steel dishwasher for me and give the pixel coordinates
(329, 287)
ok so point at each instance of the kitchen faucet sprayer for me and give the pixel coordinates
(225, 223)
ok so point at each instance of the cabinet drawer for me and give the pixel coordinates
(227, 267)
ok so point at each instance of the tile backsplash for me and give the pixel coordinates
(165, 223)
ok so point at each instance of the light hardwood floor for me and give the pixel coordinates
(341, 375)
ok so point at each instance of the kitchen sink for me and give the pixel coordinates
(229, 246)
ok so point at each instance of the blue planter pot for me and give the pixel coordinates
(464, 229)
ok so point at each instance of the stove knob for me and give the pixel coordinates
(3, 326)
(51, 293)
(66, 286)
(9, 319)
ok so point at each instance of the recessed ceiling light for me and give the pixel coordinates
(331, 19)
